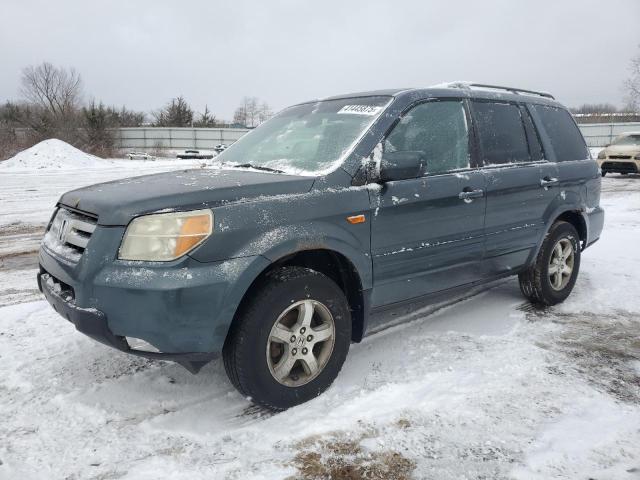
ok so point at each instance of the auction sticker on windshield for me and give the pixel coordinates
(360, 110)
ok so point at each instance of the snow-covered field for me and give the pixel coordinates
(486, 388)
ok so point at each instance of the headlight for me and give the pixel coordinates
(165, 236)
(601, 155)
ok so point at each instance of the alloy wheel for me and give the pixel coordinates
(300, 343)
(561, 264)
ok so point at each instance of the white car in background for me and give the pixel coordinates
(221, 147)
(140, 156)
(622, 155)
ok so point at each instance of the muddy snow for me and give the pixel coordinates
(489, 387)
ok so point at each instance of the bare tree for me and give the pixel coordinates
(52, 107)
(241, 115)
(265, 112)
(251, 112)
(54, 89)
(632, 85)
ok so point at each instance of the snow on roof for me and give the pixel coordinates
(51, 154)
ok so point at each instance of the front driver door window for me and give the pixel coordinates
(439, 129)
(425, 238)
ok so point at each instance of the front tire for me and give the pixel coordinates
(551, 278)
(290, 339)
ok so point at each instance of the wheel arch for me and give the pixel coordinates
(575, 217)
(334, 265)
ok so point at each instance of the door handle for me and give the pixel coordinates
(468, 194)
(548, 181)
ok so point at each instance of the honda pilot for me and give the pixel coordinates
(323, 223)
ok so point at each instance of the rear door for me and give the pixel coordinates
(567, 149)
(425, 237)
(549, 173)
(515, 198)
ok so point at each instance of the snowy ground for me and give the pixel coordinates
(486, 388)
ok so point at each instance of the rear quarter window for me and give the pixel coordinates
(565, 137)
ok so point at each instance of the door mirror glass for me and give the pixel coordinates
(402, 165)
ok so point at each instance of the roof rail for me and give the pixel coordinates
(517, 91)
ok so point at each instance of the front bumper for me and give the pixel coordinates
(611, 165)
(183, 308)
(93, 323)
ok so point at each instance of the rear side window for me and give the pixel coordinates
(535, 147)
(502, 135)
(439, 130)
(565, 137)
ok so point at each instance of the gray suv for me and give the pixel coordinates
(326, 223)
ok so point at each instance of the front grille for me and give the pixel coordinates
(619, 167)
(69, 233)
(620, 157)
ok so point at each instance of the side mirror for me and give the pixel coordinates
(402, 165)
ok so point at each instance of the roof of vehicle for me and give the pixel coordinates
(389, 92)
(458, 89)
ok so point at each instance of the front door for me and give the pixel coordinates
(427, 232)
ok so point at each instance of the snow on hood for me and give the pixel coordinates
(117, 202)
(51, 154)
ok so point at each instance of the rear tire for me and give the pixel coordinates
(290, 339)
(553, 274)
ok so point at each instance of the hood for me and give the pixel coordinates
(622, 150)
(117, 202)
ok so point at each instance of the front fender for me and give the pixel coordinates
(275, 227)
(283, 241)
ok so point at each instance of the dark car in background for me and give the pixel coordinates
(321, 225)
(195, 154)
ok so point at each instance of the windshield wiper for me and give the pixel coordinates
(258, 167)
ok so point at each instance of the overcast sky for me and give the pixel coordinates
(142, 53)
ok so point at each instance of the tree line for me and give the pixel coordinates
(51, 105)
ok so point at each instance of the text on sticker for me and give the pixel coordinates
(360, 109)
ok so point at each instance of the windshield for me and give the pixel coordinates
(308, 139)
(627, 140)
